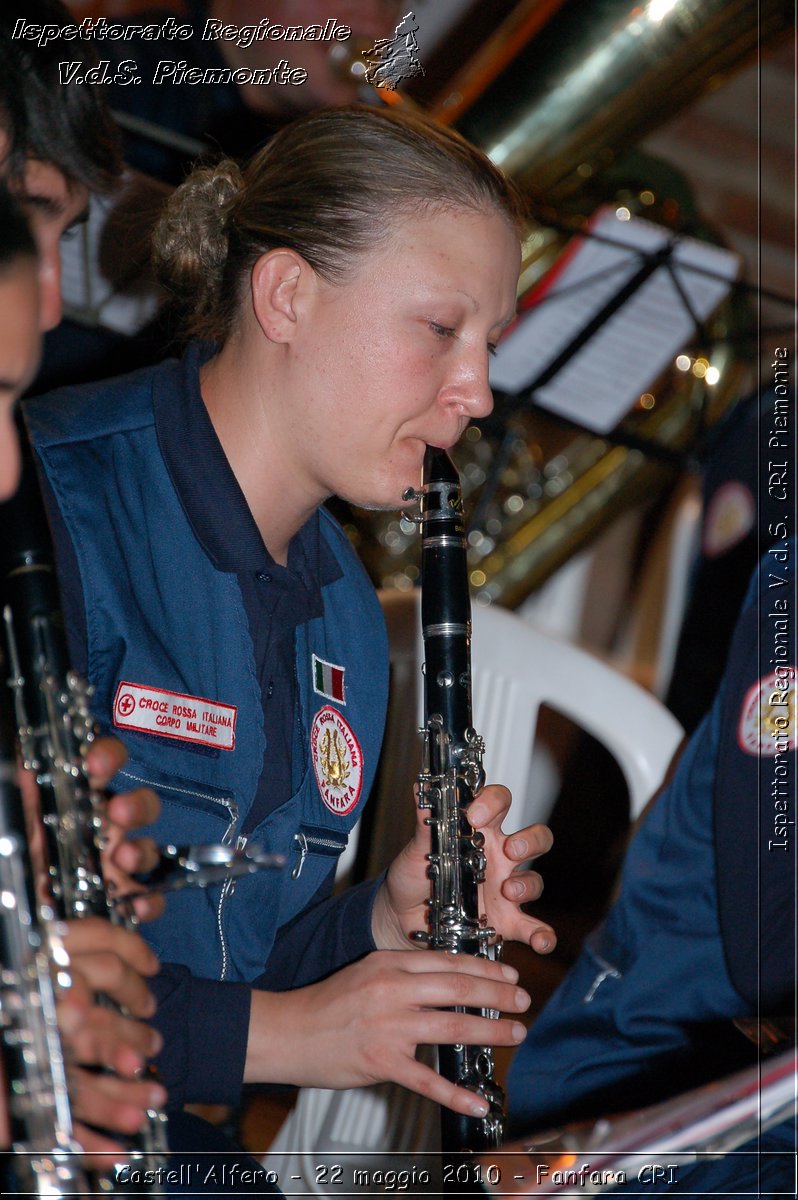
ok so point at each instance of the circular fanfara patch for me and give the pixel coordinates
(337, 761)
(730, 516)
(768, 717)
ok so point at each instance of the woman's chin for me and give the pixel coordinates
(387, 496)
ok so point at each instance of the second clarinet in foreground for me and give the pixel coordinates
(450, 778)
(45, 1158)
(54, 727)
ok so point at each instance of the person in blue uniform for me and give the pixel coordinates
(348, 288)
(703, 932)
(740, 515)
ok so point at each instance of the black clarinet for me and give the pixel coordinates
(54, 727)
(451, 775)
(46, 1160)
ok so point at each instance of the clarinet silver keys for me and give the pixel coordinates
(451, 775)
(54, 726)
(46, 1159)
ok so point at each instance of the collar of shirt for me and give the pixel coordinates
(212, 498)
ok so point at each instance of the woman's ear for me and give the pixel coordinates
(275, 284)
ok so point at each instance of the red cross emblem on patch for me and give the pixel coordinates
(767, 724)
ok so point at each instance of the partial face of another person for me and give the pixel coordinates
(19, 356)
(325, 85)
(397, 358)
(53, 205)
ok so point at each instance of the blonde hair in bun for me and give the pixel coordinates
(190, 242)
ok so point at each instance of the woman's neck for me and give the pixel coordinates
(235, 390)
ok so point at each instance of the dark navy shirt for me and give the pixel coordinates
(703, 931)
(276, 598)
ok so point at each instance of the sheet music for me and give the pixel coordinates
(606, 376)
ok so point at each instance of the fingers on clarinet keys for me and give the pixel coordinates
(200, 866)
(117, 1105)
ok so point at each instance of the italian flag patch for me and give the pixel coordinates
(328, 680)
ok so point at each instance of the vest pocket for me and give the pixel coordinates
(194, 928)
(191, 812)
(316, 840)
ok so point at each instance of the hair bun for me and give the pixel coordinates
(223, 184)
(331, 187)
(190, 241)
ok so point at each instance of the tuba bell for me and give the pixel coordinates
(556, 98)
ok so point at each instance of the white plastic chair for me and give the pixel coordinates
(515, 670)
(648, 640)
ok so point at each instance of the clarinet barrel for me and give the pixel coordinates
(451, 776)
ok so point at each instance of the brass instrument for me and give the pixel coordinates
(556, 97)
(595, 79)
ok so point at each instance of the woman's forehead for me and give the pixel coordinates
(441, 231)
(446, 244)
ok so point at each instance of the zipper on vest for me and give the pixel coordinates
(228, 888)
(231, 809)
(158, 785)
(313, 841)
(608, 971)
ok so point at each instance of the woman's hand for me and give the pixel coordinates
(111, 960)
(363, 1024)
(122, 857)
(400, 907)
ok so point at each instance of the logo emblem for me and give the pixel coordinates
(337, 761)
(391, 61)
(767, 725)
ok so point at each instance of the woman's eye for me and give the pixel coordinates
(443, 331)
(492, 348)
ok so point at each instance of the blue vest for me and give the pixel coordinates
(161, 616)
(652, 969)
